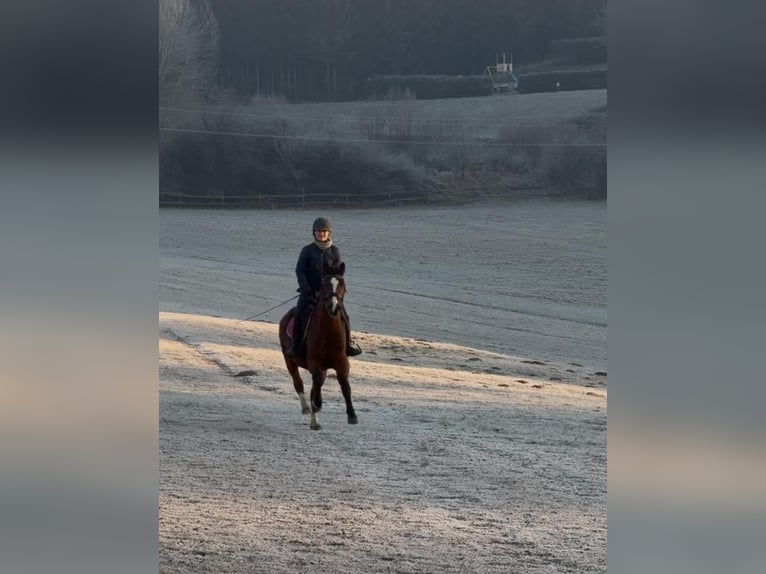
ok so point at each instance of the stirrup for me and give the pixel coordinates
(353, 349)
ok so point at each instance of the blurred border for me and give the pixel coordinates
(78, 243)
(78, 170)
(686, 278)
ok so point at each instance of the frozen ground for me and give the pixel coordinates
(526, 279)
(481, 395)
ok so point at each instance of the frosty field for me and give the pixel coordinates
(526, 278)
(481, 395)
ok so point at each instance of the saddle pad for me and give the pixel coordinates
(290, 324)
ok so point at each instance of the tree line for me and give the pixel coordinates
(236, 141)
(325, 49)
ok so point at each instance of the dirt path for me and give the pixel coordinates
(463, 460)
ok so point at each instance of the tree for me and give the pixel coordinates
(188, 54)
(188, 60)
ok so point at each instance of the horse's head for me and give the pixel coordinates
(333, 289)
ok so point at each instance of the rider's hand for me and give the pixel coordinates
(309, 294)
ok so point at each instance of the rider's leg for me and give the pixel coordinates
(352, 349)
(298, 326)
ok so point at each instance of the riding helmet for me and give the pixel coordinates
(321, 223)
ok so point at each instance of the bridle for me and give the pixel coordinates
(332, 301)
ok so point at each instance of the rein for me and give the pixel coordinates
(267, 310)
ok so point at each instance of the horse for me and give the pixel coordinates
(325, 346)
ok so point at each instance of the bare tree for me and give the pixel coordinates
(188, 51)
(188, 60)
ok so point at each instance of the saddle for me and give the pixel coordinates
(352, 348)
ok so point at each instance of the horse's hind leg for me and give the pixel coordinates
(345, 388)
(292, 368)
(317, 380)
(305, 404)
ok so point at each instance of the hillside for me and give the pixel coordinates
(480, 117)
(272, 153)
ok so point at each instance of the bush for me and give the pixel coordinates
(282, 165)
(428, 87)
(568, 80)
(580, 170)
(234, 170)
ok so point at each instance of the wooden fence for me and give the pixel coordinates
(359, 200)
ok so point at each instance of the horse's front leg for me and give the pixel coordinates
(317, 380)
(345, 388)
(292, 368)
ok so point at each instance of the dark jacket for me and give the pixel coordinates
(309, 266)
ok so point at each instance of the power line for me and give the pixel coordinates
(381, 141)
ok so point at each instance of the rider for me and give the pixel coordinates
(309, 273)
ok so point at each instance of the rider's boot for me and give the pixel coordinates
(294, 351)
(352, 348)
(295, 342)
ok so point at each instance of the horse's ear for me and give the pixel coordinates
(342, 268)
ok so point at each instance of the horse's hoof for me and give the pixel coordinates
(315, 426)
(352, 420)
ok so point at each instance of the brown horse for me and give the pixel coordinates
(325, 346)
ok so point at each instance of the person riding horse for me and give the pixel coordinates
(311, 261)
